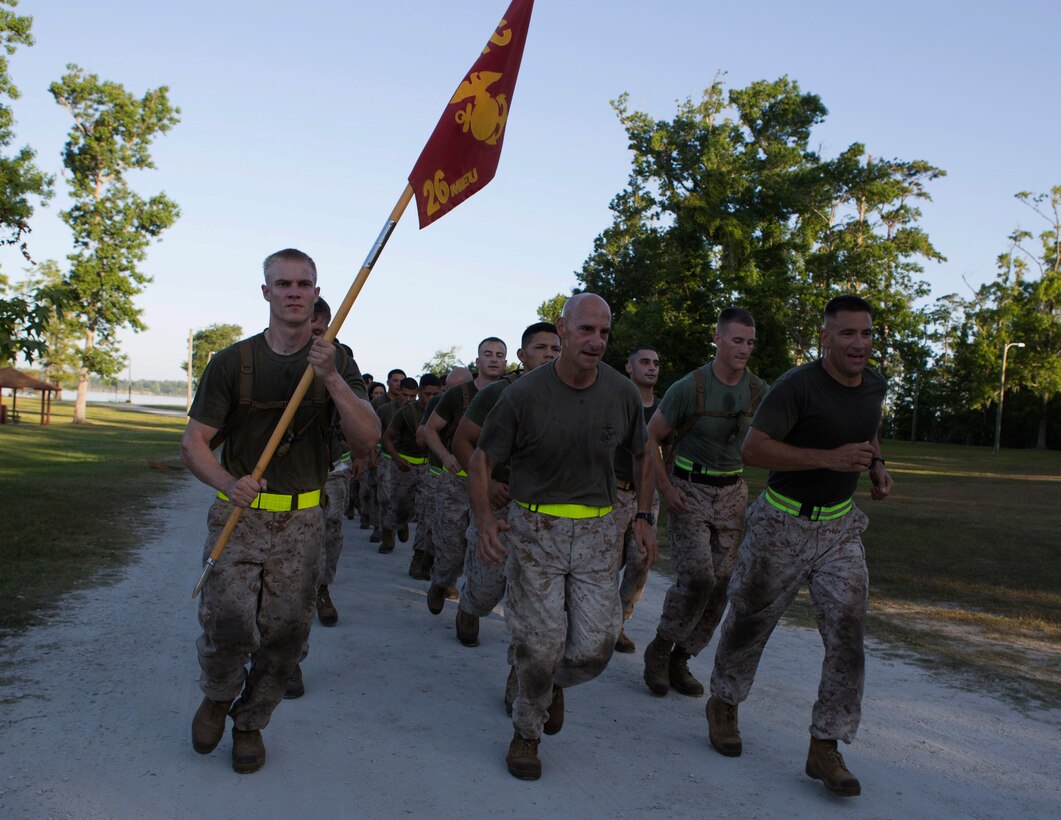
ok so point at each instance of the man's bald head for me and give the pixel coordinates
(581, 302)
(458, 375)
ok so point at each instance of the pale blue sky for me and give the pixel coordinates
(300, 123)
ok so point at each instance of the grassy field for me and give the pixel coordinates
(965, 564)
(964, 558)
(74, 499)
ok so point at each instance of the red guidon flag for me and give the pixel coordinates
(461, 156)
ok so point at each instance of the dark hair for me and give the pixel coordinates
(367, 377)
(394, 371)
(374, 385)
(534, 330)
(736, 314)
(491, 339)
(320, 307)
(849, 303)
(636, 350)
(288, 255)
(430, 380)
(407, 384)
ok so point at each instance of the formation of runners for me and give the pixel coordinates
(540, 489)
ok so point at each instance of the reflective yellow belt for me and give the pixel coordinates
(691, 466)
(439, 471)
(568, 510)
(413, 459)
(275, 502)
(829, 512)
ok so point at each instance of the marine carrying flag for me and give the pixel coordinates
(462, 154)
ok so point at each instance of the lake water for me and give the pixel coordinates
(122, 397)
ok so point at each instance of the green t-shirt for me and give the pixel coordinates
(480, 408)
(624, 460)
(275, 377)
(807, 407)
(404, 426)
(715, 441)
(450, 409)
(560, 442)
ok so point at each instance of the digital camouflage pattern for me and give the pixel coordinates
(448, 531)
(256, 607)
(336, 489)
(562, 610)
(484, 585)
(635, 572)
(703, 543)
(779, 553)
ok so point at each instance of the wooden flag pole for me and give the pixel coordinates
(307, 377)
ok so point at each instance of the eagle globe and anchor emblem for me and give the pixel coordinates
(485, 115)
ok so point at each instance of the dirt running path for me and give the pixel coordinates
(399, 719)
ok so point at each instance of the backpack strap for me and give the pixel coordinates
(245, 400)
(757, 388)
(683, 429)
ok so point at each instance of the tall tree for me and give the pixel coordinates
(207, 342)
(23, 316)
(442, 362)
(728, 204)
(550, 309)
(112, 224)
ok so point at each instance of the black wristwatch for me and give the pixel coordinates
(647, 516)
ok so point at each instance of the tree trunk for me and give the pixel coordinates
(82, 397)
(1040, 441)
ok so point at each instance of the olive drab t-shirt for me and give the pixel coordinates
(561, 441)
(624, 461)
(275, 378)
(715, 441)
(450, 408)
(479, 410)
(807, 407)
(404, 425)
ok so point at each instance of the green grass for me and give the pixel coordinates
(965, 565)
(75, 498)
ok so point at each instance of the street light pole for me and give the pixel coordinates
(1002, 394)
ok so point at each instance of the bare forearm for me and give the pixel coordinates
(644, 480)
(480, 465)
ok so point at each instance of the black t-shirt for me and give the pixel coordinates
(808, 408)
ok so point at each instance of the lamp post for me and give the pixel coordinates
(1001, 395)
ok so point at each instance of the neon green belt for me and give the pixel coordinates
(410, 459)
(828, 512)
(275, 502)
(568, 510)
(684, 463)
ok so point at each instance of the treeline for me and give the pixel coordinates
(728, 204)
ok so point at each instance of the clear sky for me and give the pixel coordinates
(301, 121)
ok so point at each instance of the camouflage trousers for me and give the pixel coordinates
(635, 572)
(371, 480)
(384, 483)
(779, 553)
(256, 607)
(335, 491)
(448, 533)
(484, 585)
(402, 489)
(426, 510)
(366, 488)
(703, 550)
(562, 609)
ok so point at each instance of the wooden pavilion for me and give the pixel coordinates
(16, 380)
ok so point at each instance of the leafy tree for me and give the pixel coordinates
(207, 342)
(728, 204)
(549, 310)
(48, 338)
(442, 362)
(23, 315)
(112, 225)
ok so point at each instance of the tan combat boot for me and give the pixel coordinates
(208, 725)
(522, 758)
(825, 763)
(248, 751)
(467, 628)
(387, 543)
(624, 644)
(680, 676)
(327, 614)
(436, 598)
(657, 665)
(722, 727)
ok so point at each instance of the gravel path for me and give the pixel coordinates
(400, 719)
